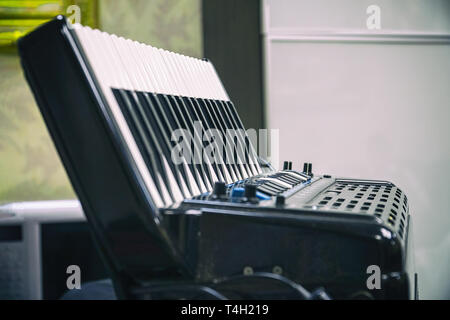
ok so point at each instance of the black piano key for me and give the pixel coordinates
(171, 109)
(196, 170)
(213, 124)
(227, 152)
(191, 110)
(185, 119)
(250, 155)
(162, 106)
(233, 113)
(162, 126)
(209, 124)
(154, 165)
(169, 169)
(192, 115)
(238, 159)
(243, 167)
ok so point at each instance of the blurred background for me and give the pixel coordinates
(354, 101)
(29, 166)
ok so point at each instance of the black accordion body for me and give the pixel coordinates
(166, 229)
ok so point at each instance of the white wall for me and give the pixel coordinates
(399, 15)
(371, 106)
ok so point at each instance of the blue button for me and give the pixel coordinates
(262, 196)
(237, 192)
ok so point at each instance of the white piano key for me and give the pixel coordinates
(122, 60)
(138, 69)
(176, 78)
(153, 60)
(221, 92)
(191, 65)
(83, 33)
(179, 62)
(207, 80)
(161, 64)
(200, 67)
(170, 75)
(146, 52)
(202, 92)
(148, 73)
(135, 67)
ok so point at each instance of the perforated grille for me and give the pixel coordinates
(385, 201)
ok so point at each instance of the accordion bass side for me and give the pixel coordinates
(242, 229)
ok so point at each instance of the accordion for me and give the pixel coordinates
(168, 226)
